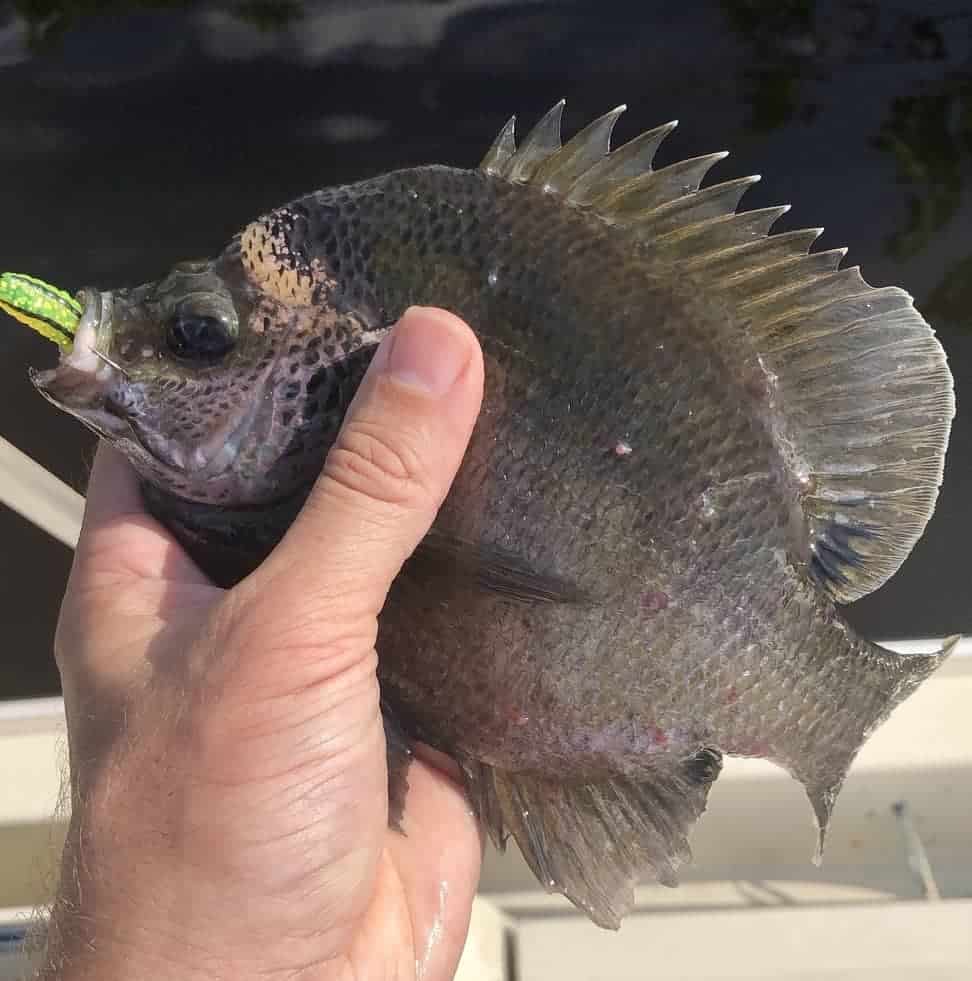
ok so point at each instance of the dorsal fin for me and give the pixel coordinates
(862, 393)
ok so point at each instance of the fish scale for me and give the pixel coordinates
(696, 440)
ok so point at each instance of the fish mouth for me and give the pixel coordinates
(83, 382)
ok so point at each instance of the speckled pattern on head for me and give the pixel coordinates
(696, 438)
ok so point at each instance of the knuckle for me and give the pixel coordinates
(379, 464)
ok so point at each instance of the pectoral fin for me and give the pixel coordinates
(441, 556)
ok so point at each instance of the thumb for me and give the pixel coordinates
(385, 477)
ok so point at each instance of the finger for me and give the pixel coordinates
(112, 490)
(388, 472)
(128, 576)
(438, 860)
(118, 535)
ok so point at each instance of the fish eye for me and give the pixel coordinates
(198, 337)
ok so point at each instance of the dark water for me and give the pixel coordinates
(134, 135)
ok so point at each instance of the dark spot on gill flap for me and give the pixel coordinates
(443, 557)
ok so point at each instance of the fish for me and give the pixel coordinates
(699, 439)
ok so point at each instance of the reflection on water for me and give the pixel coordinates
(46, 22)
(927, 130)
(930, 135)
(136, 134)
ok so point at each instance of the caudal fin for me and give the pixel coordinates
(594, 841)
(887, 680)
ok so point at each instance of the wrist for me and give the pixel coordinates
(150, 890)
(84, 944)
(108, 956)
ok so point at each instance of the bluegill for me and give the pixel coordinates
(698, 440)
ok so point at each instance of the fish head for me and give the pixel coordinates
(203, 380)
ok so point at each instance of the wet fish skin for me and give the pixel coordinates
(595, 629)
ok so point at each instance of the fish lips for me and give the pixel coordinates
(84, 396)
(83, 383)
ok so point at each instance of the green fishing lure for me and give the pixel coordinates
(53, 313)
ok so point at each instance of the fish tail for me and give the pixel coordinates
(825, 752)
(593, 841)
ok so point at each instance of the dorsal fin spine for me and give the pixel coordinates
(561, 169)
(771, 247)
(502, 150)
(540, 143)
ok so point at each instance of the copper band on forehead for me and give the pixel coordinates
(273, 265)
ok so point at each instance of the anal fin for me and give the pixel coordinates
(399, 757)
(593, 842)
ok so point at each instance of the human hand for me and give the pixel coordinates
(228, 775)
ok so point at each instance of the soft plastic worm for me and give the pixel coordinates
(53, 313)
